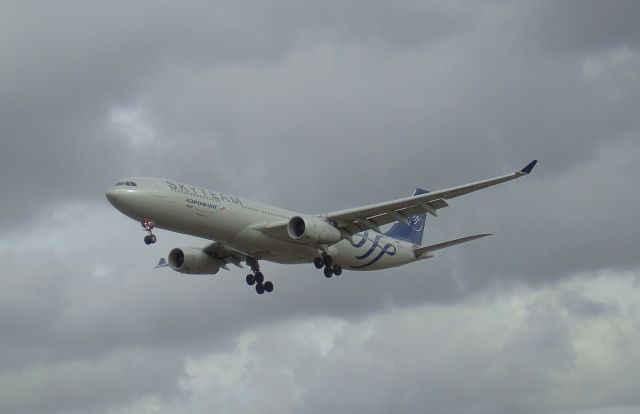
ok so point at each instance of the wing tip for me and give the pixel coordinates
(529, 167)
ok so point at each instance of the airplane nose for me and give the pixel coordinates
(114, 195)
(128, 201)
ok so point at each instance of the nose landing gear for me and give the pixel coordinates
(257, 278)
(148, 226)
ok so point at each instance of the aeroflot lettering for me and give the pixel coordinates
(202, 204)
(200, 192)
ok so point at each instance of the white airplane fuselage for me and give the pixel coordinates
(212, 215)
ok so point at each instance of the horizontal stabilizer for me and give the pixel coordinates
(162, 263)
(426, 250)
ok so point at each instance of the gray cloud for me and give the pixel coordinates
(525, 354)
(581, 26)
(91, 385)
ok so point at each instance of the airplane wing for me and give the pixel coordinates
(225, 255)
(373, 216)
(276, 229)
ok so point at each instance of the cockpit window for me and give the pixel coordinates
(127, 183)
(120, 183)
(133, 184)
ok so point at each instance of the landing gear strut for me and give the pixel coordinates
(257, 278)
(148, 226)
(326, 261)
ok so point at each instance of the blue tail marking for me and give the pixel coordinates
(413, 232)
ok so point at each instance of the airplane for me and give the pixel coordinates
(244, 231)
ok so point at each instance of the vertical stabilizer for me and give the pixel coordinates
(413, 232)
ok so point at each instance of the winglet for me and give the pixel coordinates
(529, 167)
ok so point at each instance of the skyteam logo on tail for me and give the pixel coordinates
(417, 223)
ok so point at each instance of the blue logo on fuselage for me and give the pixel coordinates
(388, 248)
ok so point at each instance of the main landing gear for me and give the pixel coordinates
(257, 278)
(148, 226)
(326, 261)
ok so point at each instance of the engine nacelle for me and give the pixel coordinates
(313, 230)
(192, 261)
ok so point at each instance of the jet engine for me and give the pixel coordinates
(313, 230)
(192, 261)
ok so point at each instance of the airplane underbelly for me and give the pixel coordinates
(264, 247)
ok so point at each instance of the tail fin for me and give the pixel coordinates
(413, 232)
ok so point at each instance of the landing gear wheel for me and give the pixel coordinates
(328, 272)
(148, 226)
(318, 262)
(337, 270)
(257, 278)
(328, 261)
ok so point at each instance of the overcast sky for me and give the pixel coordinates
(320, 106)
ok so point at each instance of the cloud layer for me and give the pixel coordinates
(318, 107)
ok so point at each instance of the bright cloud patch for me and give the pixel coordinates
(130, 122)
(527, 352)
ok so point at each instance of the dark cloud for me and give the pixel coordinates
(582, 26)
(92, 385)
(317, 107)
